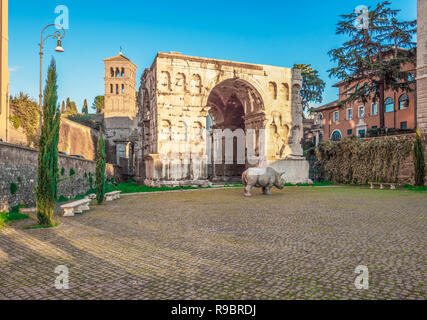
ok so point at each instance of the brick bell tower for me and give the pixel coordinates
(120, 110)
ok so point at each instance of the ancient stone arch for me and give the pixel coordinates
(257, 102)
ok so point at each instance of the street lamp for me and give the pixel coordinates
(58, 34)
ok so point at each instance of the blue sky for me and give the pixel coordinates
(266, 32)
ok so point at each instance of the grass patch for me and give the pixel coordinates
(7, 217)
(415, 188)
(39, 226)
(315, 184)
(132, 187)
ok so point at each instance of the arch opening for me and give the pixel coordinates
(234, 107)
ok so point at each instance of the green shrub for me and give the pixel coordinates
(72, 172)
(62, 171)
(62, 198)
(13, 188)
(19, 179)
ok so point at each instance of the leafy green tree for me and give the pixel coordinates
(419, 160)
(100, 168)
(85, 109)
(376, 51)
(46, 192)
(312, 86)
(25, 114)
(98, 104)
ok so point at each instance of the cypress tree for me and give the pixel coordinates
(63, 107)
(46, 192)
(68, 106)
(100, 168)
(85, 108)
(419, 160)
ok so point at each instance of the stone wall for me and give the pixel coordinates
(18, 165)
(77, 139)
(74, 138)
(422, 67)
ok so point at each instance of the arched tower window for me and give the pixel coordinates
(112, 72)
(111, 88)
(117, 89)
(117, 72)
(123, 72)
(123, 88)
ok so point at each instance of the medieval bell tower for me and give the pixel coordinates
(120, 109)
(120, 87)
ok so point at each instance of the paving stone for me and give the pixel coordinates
(299, 243)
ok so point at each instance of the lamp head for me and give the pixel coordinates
(59, 47)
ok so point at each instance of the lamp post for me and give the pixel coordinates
(58, 34)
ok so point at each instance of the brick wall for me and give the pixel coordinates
(18, 165)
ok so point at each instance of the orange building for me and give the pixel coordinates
(336, 121)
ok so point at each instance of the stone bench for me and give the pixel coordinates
(110, 196)
(91, 196)
(382, 184)
(75, 207)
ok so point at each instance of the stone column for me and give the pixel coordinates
(422, 67)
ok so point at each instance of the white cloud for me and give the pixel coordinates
(13, 69)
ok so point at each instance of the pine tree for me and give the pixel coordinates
(98, 104)
(46, 192)
(376, 50)
(419, 160)
(100, 168)
(85, 109)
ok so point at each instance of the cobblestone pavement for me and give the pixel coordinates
(299, 243)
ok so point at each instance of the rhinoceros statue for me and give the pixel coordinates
(264, 178)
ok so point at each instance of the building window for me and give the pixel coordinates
(361, 112)
(336, 116)
(403, 102)
(117, 89)
(349, 114)
(123, 88)
(336, 135)
(111, 88)
(349, 132)
(112, 72)
(404, 125)
(320, 120)
(374, 127)
(123, 72)
(389, 105)
(361, 133)
(374, 109)
(320, 137)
